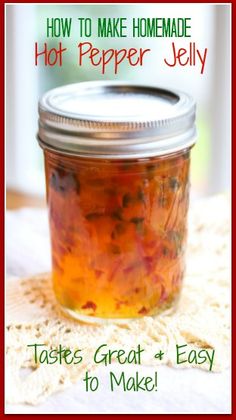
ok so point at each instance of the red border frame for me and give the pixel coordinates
(2, 190)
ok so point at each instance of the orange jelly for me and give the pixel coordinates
(118, 221)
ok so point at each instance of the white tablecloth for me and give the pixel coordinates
(179, 390)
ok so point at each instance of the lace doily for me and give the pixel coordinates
(202, 318)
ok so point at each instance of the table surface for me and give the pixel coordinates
(179, 390)
(16, 200)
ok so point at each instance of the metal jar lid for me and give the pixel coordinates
(116, 120)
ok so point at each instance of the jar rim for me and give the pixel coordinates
(116, 119)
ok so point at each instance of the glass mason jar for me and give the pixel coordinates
(117, 161)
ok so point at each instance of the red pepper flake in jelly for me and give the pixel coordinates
(89, 305)
(98, 273)
(164, 294)
(143, 311)
(117, 195)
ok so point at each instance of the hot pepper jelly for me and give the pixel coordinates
(117, 173)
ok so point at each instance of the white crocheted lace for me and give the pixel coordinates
(202, 318)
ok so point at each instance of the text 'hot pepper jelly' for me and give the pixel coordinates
(117, 160)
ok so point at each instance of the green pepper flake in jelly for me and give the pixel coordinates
(174, 184)
(141, 196)
(93, 216)
(127, 200)
(62, 182)
(117, 214)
